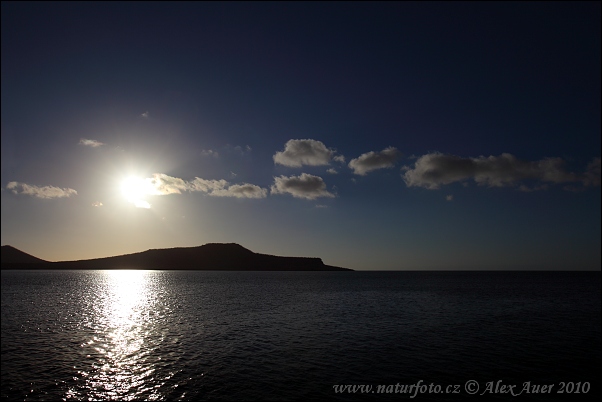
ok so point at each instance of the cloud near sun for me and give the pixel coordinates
(46, 192)
(305, 186)
(430, 171)
(163, 184)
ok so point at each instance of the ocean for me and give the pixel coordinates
(208, 335)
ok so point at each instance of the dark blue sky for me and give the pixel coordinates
(463, 135)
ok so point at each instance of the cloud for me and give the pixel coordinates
(592, 174)
(238, 149)
(449, 197)
(339, 158)
(90, 143)
(45, 192)
(305, 186)
(332, 171)
(374, 160)
(303, 152)
(145, 114)
(162, 184)
(207, 186)
(436, 169)
(209, 152)
(97, 204)
(141, 204)
(244, 190)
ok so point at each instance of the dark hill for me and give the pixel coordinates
(11, 255)
(213, 256)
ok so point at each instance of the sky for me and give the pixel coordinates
(376, 136)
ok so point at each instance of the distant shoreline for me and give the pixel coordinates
(209, 257)
(57, 266)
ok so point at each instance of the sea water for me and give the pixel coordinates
(190, 335)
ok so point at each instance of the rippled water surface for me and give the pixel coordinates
(166, 335)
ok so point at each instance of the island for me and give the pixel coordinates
(208, 257)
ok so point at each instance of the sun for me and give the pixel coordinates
(135, 189)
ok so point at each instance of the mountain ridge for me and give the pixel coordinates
(210, 256)
(13, 255)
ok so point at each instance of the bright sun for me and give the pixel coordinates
(135, 189)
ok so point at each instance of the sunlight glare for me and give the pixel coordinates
(134, 189)
(119, 351)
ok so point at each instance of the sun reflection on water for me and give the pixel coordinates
(121, 320)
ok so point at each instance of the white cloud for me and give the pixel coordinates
(97, 204)
(303, 152)
(162, 184)
(332, 171)
(339, 158)
(305, 186)
(374, 160)
(46, 192)
(90, 143)
(145, 114)
(436, 169)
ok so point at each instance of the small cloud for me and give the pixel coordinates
(339, 158)
(303, 152)
(162, 184)
(46, 192)
(90, 143)
(374, 160)
(305, 186)
(141, 204)
(449, 197)
(232, 174)
(321, 206)
(332, 171)
(145, 115)
(592, 174)
(209, 152)
(97, 204)
(237, 149)
(435, 169)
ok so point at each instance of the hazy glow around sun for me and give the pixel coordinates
(135, 189)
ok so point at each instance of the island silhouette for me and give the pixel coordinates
(208, 257)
